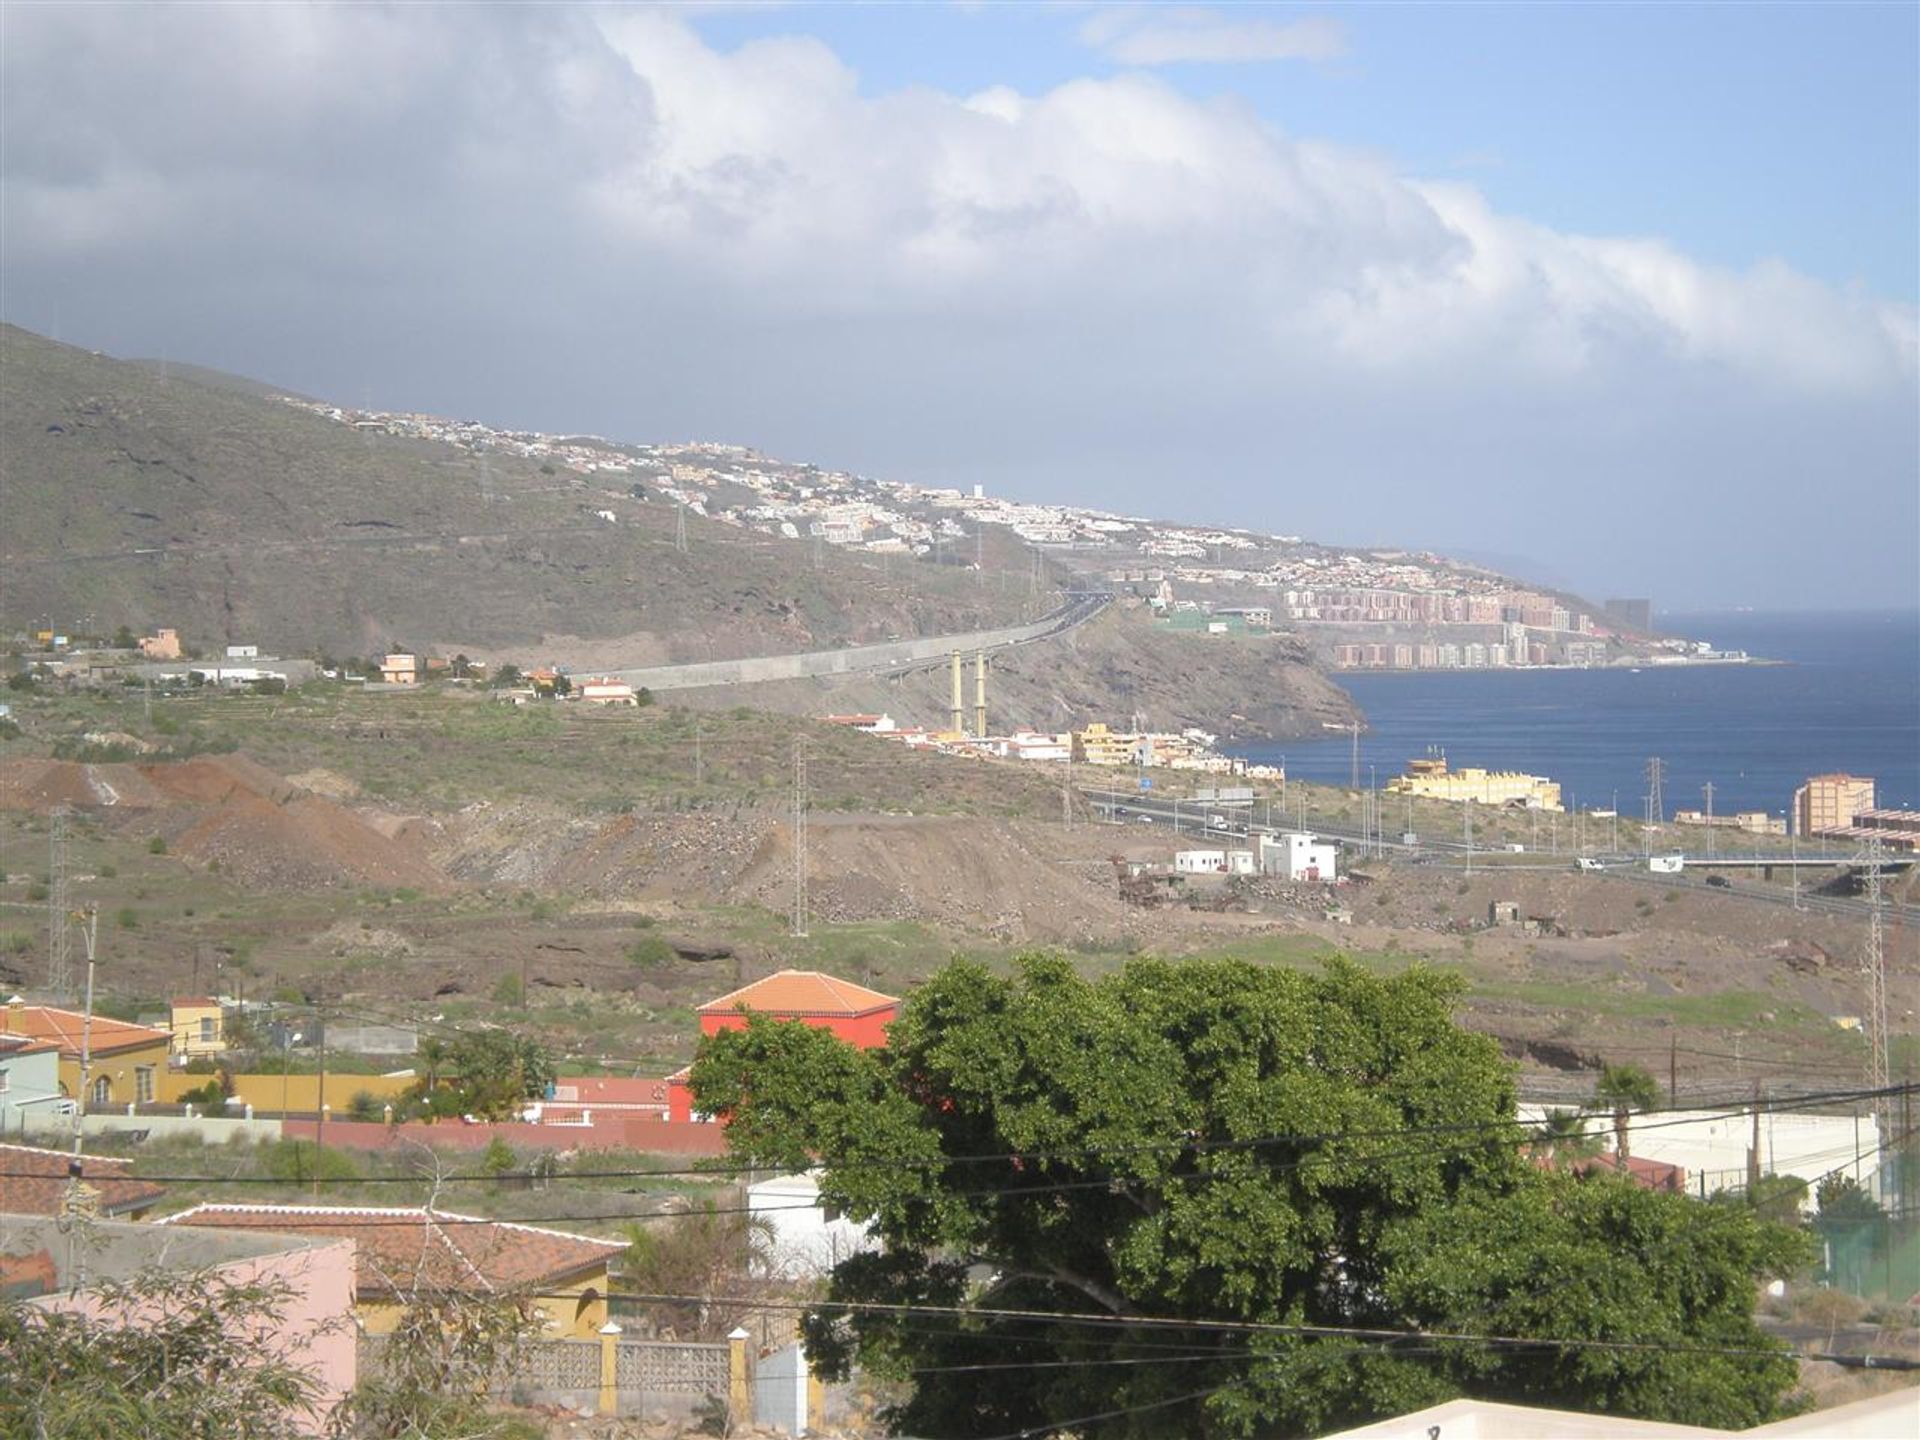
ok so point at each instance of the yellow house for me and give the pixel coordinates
(1097, 745)
(199, 1026)
(404, 1252)
(127, 1060)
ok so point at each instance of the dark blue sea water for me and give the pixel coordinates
(1849, 700)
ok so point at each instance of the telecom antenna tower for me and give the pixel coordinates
(800, 835)
(1656, 802)
(1879, 1077)
(59, 958)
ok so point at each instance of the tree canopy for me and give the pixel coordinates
(486, 1073)
(1231, 1169)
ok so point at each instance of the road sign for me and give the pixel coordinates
(1145, 783)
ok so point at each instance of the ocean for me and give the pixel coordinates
(1848, 698)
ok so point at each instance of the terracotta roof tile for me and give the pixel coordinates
(398, 1249)
(32, 1181)
(44, 1022)
(801, 992)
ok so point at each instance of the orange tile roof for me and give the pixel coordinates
(32, 1181)
(399, 1250)
(608, 1090)
(801, 992)
(44, 1022)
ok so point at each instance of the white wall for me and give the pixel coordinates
(214, 1131)
(804, 1241)
(1712, 1144)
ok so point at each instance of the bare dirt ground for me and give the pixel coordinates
(612, 925)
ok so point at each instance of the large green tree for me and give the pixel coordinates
(1219, 1147)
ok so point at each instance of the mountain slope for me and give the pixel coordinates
(141, 495)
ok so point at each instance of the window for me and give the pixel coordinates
(209, 1024)
(143, 1084)
(4, 1082)
(102, 1091)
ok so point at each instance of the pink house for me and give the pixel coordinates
(316, 1333)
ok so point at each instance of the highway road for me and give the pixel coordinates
(890, 657)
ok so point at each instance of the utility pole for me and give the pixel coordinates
(320, 1095)
(1656, 801)
(1793, 854)
(1066, 787)
(1353, 781)
(1707, 790)
(59, 956)
(1466, 825)
(699, 760)
(800, 835)
(680, 528)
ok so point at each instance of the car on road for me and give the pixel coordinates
(1719, 882)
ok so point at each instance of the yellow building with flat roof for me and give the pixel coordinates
(1430, 779)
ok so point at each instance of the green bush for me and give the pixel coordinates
(127, 918)
(298, 1161)
(157, 845)
(650, 952)
(365, 1105)
(509, 991)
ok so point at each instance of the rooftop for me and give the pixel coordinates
(400, 1249)
(65, 1027)
(801, 992)
(33, 1180)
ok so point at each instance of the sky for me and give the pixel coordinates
(1624, 295)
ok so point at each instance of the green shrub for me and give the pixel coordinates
(365, 1105)
(157, 845)
(650, 952)
(509, 991)
(127, 918)
(299, 1161)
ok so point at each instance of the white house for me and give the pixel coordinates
(30, 1094)
(804, 1240)
(243, 652)
(1200, 862)
(1298, 856)
(605, 690)
(1242, 862)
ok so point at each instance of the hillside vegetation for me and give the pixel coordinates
(147, 496)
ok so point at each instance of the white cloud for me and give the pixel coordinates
(1155, 35)
(594, 219)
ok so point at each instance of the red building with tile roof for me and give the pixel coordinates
(856, 1014)
(33, 1181)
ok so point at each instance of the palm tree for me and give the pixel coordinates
(1624, 1089)
(1562, 1135)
